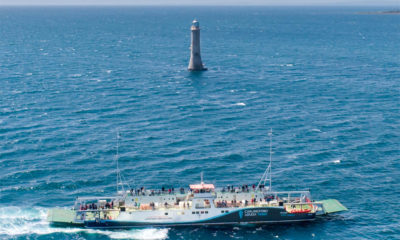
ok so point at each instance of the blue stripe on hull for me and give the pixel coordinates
(241, 216)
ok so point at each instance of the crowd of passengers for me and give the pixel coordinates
(142, 191)
(230, 188)
(94, 206)
(243, 188)
(234, 203)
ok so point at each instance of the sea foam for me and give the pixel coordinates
(16, 221)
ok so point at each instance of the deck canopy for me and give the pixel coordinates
(202, 186)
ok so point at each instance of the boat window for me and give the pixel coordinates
(202, 212)
(197, 213)
(193, 212)
(206, 212)
(166, 213)
(222, 211)
(226, 211)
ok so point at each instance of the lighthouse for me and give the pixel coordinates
(195, 63)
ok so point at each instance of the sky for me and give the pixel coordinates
(206, 2)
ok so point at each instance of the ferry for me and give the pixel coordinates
(200, 204)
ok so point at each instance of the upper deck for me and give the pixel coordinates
(196, 196)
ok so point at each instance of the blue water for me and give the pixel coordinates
(326, 80)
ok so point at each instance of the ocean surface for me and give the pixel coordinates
(326, 80)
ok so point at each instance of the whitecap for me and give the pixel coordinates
(315, 130)
(108, 71)
(15, 221)
(240, 104)
(337, 161)
(145, 234)
(28, 74)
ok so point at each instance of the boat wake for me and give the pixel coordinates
(16, 221)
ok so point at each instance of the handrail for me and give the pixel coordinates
(96, 198)
(198, 195)
(98, 210)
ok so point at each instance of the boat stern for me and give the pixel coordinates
(62, 216)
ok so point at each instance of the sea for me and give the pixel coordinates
(76, 80)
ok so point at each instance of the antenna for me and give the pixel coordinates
(267, 176)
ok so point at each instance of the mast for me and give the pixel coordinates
(119, 178)
(270, 160)
(267, 176)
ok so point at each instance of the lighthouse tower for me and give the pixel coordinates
(195, 63)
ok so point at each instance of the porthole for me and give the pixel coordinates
(206, 212)
(197, 213)
(202, 212)
(166, 213)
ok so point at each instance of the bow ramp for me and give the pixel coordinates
(332, 206)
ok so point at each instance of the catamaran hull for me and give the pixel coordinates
(258, 216)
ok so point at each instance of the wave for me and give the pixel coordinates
(240, 104)
(16, 221)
